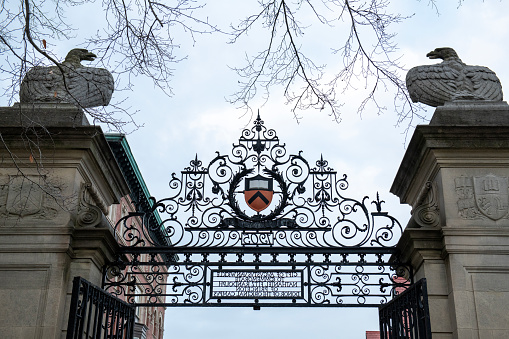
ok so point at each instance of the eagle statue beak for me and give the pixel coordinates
(432, 55)
(89, 56)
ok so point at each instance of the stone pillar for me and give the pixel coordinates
(57, 177)
(455, 176)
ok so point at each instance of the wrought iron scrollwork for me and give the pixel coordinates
(260, 226)
(306, 206)
(261, 278)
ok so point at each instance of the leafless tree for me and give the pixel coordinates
(367, 53)
(138, 38)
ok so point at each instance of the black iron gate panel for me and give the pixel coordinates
(95, 314)
(253, 277)
(407, 315)
(258, 227)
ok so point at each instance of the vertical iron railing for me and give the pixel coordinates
(407, 315)
(95, 314)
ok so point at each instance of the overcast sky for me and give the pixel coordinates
(369, 149)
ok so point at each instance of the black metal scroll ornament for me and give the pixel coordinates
(259, 227)
(260, 195)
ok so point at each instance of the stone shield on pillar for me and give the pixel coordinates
(25, 195)
(492, 195)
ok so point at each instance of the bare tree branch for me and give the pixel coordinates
(135, 39)
(368, 53)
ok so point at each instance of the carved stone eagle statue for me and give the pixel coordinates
(451, 80)
(82, 86)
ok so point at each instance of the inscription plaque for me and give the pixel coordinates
(259, 284)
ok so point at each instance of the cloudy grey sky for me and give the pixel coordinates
(368, 148)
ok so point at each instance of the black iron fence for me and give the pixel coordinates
(95, 314)
(407, 315)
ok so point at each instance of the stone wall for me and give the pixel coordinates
(455, 176)
(57, 177)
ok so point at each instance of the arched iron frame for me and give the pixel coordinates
(258, 227)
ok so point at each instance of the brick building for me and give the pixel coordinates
(149, 320)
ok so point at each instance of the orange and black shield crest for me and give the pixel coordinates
(258, 192)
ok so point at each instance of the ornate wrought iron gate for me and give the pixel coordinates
(258, 227)
(257, 277)
(95, 314)
(407, 315)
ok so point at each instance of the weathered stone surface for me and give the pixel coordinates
(43, 246)
(471, 113)
(464, 155)
(42, 115)
(435, 147)
(439, 314)
(492, 310)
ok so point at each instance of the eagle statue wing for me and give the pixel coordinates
(90, 87)
(41, 84)
(432, 84)
(485, 83)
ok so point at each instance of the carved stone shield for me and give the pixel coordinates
(258, 193)
(491, 195)
(24, 196)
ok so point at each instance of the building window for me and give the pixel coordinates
(137, 300)
(160, 326)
